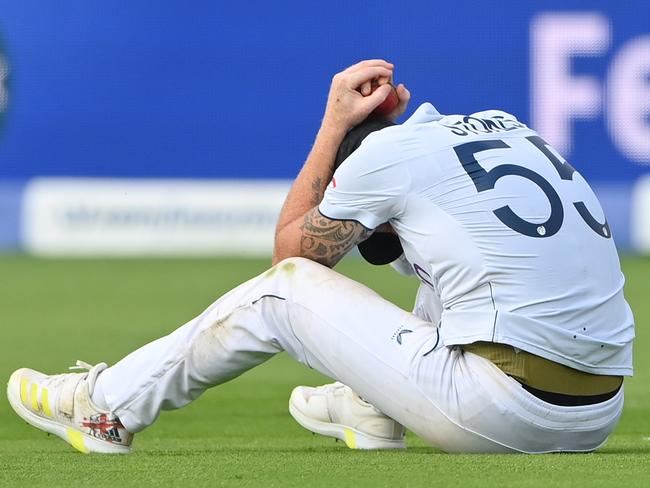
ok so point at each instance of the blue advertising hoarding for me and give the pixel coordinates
(234, 90)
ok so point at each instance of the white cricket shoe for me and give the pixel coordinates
(62, 405)
(336, 411)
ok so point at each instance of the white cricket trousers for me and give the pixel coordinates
(457, 401)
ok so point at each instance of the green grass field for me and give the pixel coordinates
(53, 312)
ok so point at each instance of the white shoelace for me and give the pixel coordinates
(93, 372)
(81, 365)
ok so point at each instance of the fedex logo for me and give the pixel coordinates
(559, 97)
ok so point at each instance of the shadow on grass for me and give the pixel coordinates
(642, 449)
(287, 450)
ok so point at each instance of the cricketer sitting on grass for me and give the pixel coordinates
(520, 338)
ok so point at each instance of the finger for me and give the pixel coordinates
(403, 96)
(373, 100)
(370, 62)
(382, 80)
(366, 88)
(357, 78)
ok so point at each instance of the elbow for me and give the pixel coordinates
(284, 248)
(276, 259)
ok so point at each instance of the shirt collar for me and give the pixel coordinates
(424, 113)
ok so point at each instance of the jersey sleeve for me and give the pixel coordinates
(370, 186)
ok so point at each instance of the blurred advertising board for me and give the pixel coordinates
(145, 217)
(226, 90)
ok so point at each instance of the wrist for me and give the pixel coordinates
(327, 142)
(332, 132)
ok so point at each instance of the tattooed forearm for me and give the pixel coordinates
(327, 241)
(317, 191)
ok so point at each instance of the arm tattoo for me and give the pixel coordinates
(317, 191)
(326, 241)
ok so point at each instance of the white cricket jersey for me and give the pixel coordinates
(501, 228)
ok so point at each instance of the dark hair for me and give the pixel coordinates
(357, 134)
(380, 247)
